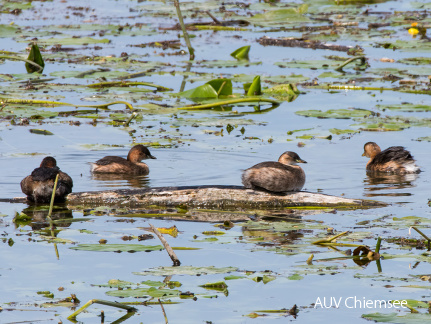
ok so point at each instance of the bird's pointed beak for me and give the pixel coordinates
(153, 157)
(301, 161)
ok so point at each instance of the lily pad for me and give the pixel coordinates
(424, 139)
(71, 41)
(211, 89)
(186, 270)
(337, 131)
(281, 16)
(406, 107)
(335, 113)
(410, 318)
(144, 292)
(117, 247)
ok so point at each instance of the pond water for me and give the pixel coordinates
(263, 263)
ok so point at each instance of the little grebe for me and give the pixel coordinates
(280, 176)
(395, 159)
(38, 186)
(119, 165)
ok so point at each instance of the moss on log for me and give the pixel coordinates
(213, 197)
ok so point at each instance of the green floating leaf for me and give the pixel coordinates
(281, 16)
(406, 107)
(337, 131)
(335, 113)
(273, 311)
(118, 283)
(8, 31)
(40, 131)
(409, 318)
(186, 270)
(383, 127)
(265, 279)
(241, 53)
(117, 247)
(223, 87)
(306, 137)
(11, 5)
(55, 239)
(207, 239)
(211, 89)
(46, 294)
(295, 277)
(73, 41)
(416, 303)
(255, 87)
(144, 292)
(218, 284)
(36, 57)
(298, 130)
(424, 139)
(287, 89)
(416, 60)
(233, 277)
(21, 218)
(213, 233)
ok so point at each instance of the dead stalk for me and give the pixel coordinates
(329, 240)
(163, 310)
(379, 241)
(171, 252)
(426, 237)
(102, 302)
(183, 27)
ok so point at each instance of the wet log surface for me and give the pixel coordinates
(212, 197)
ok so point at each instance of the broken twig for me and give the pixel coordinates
(168, 248)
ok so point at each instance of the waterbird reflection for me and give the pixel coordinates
(377, 182)
(118, 180)
(61, 216)
(280, 231)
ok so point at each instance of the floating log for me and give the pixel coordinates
(212, 197)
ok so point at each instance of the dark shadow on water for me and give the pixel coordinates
(118, 180)
(376, 182)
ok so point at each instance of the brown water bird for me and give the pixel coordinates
(280, 176)
(132, 165)
(38, 186)
(395, 159)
